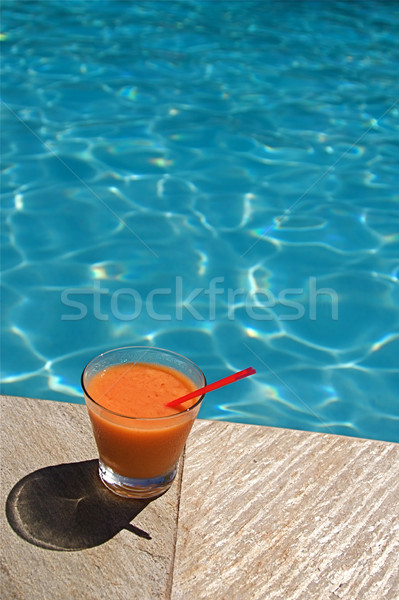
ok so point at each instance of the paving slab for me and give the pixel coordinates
(256, 513)
(64, 535)
(271, 513)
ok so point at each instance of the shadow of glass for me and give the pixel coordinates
(66, 507)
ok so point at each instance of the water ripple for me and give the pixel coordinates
(234, 163)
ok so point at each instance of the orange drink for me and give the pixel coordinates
(139, 439)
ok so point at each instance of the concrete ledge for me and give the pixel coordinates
(256, 513)
(67, 536)
(276, 514)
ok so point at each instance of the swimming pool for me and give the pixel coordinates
(216, 178)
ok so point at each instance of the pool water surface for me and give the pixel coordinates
(216, 178)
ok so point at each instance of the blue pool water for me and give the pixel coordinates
(217, 178)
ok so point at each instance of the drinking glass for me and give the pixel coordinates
(138, 456)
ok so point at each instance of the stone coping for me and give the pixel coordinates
(255, 513)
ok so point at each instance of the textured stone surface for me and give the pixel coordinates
(66, 536)
(287, 515)
(257, 514)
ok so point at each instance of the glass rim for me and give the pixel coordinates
(166, 417)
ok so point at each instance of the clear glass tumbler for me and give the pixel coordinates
(138, 457)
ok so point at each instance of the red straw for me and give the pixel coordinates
(213, 386)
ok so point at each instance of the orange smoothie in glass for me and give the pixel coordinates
(132, 436)
(139, 439)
